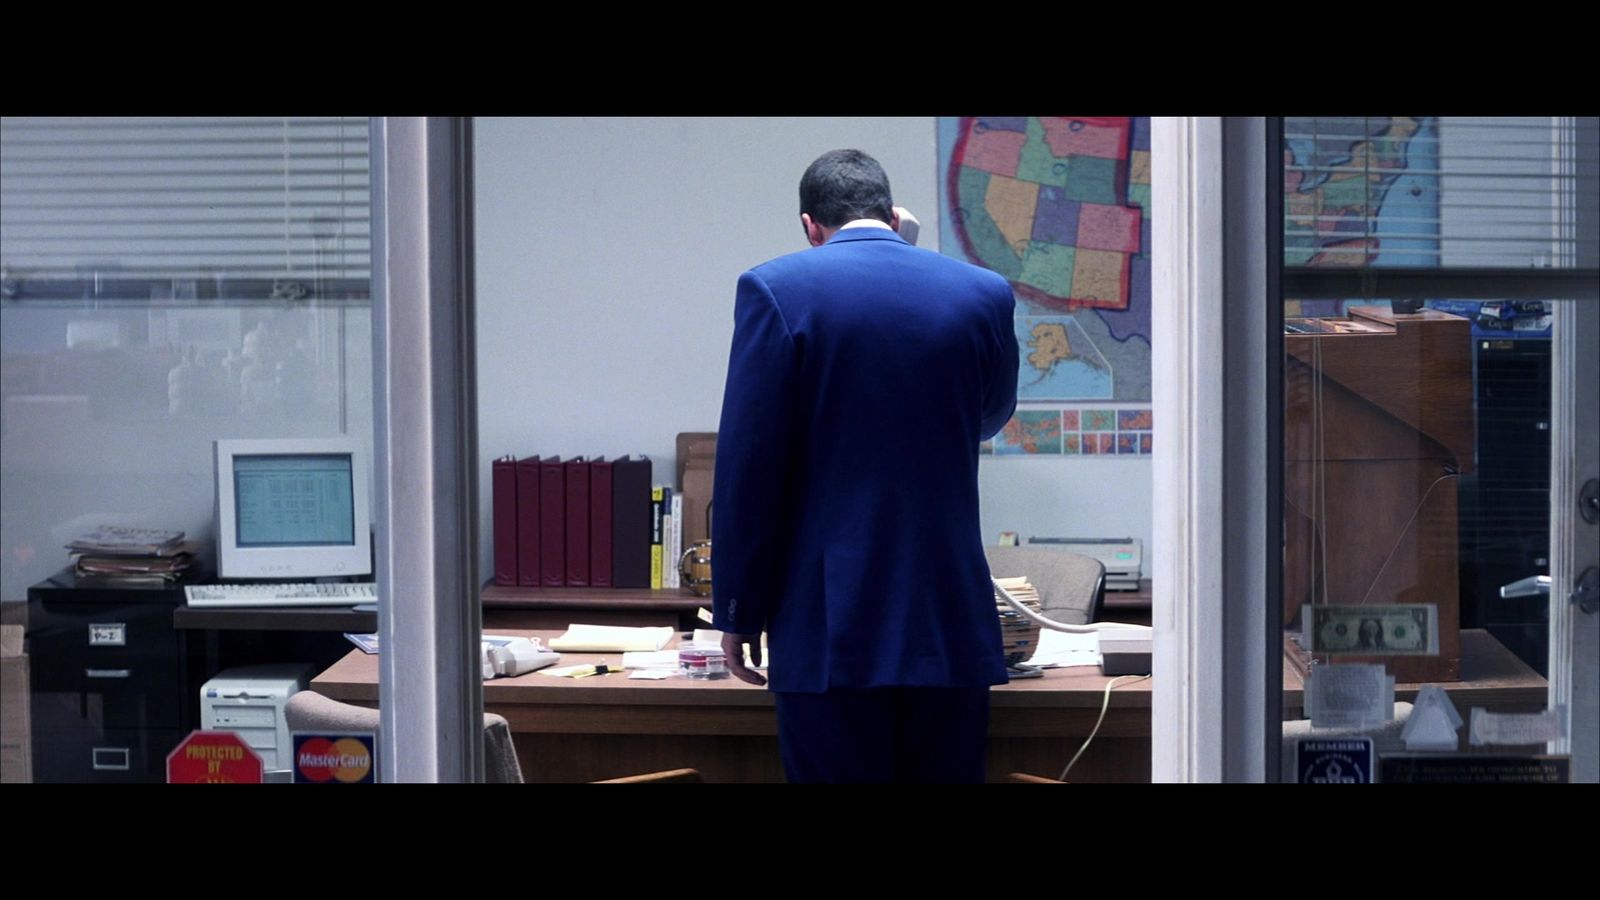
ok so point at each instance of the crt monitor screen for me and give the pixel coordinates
(292, 508)
(293, 500)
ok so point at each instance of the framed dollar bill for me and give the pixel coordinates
(1387, 630)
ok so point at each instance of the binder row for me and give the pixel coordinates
(573, 523)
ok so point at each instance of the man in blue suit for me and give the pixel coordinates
(864, 373)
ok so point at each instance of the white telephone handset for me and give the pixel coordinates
(515, 656)
(909, 226)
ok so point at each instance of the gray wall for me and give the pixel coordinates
(92, 434)
(607, 253)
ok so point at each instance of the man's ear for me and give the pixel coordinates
(813, 231)
(894, 219)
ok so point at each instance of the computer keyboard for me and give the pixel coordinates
(292, 594)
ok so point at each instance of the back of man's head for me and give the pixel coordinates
(844, 185)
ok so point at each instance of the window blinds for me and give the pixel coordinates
(1468, 198)
(141, 208)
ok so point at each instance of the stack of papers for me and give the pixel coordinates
(142, 557)
(121, 540)
(611, 639)
(1059, 650)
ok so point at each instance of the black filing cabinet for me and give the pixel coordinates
(111, 681)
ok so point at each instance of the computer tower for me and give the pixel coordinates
(249, 701)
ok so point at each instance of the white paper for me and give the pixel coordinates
(611, 639)
(1517, 728)
(652, 674)
(1350, 695)
(564, 671)
(650, 659)
(506, 640)
(1059, 650)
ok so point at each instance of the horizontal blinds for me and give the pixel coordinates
(277, 207)
(1454, 192)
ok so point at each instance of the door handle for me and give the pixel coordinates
(1532, 586)
(1587, 593)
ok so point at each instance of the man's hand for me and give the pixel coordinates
(733, 645)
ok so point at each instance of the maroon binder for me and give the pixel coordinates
(630, 523)
(552, 523)
(600, 523)
(504, 473)
(528, 522)
(577, 522)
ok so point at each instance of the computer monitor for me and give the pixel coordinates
(292, 509)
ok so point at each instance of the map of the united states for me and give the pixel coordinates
(1059, 205)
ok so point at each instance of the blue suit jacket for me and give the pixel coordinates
(863, 376)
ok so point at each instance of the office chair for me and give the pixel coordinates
(310, 711)
(1071, 586)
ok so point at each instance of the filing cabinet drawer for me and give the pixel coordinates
(65, 639)
(100, 756)
(113, 698)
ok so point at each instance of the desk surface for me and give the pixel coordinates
(608, 726)
(1491, 675)
(355, 678)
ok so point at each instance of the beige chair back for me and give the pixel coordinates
(1071, 586)
(310, 711)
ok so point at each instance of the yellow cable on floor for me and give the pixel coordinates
(1104, 705)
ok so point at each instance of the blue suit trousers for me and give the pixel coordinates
(888, 735)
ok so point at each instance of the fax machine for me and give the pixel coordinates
(1123, 558)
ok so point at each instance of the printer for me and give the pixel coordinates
(1123, 558)
(249, 701)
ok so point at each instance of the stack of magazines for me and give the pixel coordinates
(133, 557)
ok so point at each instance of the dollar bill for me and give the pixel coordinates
(1389, 630)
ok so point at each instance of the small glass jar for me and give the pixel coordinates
(702, 661)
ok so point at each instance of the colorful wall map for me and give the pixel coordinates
(1073, 432)
(1059, 205)
(1359, 191)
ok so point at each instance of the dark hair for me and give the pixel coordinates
(844, 185)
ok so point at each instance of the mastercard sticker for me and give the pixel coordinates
(335, 758)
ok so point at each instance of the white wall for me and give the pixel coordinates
(607, 253)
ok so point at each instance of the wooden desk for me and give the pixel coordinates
(1132, 607)
(228, 637)
(586, 729)
(573, 730)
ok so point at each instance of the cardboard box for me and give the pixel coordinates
(697, 460)
(16, 765)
